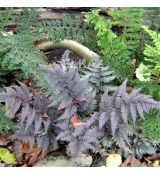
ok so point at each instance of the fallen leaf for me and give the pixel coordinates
(6, 156)
(154, 157)
(17, 149)
(155, 163)
(74, 121)
(25, 154)
(113, 160)
(131, 162)
(34, 156)
(5, 139)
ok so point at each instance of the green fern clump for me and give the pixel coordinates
(21, 55)
(152, 54)
(131, 20)
(5, 123)
(28, 18)
(68, 28)
(151, 128)
(113, 48)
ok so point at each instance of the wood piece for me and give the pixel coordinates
(131, 162)
(154, 157)
(74, 46)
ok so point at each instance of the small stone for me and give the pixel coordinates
(84, 160)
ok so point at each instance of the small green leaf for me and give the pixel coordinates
(7, 156)
(143, 73)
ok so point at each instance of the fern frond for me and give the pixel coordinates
(124, 105)
(99, 77)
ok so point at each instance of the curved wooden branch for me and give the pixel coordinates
(74, 46)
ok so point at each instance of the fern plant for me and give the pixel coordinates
(16, 97)
(71, 28)
(72, 118)
(130, 19)
(113, 48)
(115, 111)
(32, 112)
(80, 139)
(128, 142)
(152, 54)
(21, 55)
(121, 105)
(150, 127)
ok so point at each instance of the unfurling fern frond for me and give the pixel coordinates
(100, 77)
(66, 62)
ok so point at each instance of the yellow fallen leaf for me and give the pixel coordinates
(155, 163)
(113, 160)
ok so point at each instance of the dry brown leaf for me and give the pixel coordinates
(154, 157)
(5, 139)
(34, 156)
(131, 162)
(133, 63)
(17, 149)
(27, 155)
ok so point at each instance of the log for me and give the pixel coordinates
(74, 46)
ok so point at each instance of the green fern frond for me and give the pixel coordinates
(150, 126)
(22, 55)
(114, 49)
(68, 27)
(5, 123)
(152, 53)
